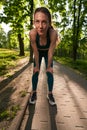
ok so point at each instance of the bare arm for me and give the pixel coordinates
(32, 35)
(53, 37)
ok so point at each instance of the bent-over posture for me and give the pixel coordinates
(43, 41)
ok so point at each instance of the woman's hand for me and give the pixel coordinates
(35, 70)
(50, 69)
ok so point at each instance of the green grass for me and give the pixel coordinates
(23, 93)
(8, 59)
(79, 65)
(9, 114)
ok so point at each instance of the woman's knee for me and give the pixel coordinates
(49, 75)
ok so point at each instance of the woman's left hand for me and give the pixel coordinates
(50, 69)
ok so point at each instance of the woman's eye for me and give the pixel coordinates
(44, 22)
(36, 21)
(41, 22)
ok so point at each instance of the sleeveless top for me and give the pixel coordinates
(43, 48)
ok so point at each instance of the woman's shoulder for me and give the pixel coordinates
(53, 32)
(33, 32)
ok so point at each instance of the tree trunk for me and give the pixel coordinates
(78, 25)
(21, 45)
(31, 26)
(76, 30)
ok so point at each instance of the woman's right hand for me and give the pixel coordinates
(35, 70)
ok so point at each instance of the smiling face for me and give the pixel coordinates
(41, 23)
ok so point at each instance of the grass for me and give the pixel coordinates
(8, 59)
(9, 114)
(80, 65)
(23, 93)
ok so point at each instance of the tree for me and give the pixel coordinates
(17, 13)
(76, 29)
(12, 41)
(73, 17)
(67, 16)
(31, 26)
(3, 38)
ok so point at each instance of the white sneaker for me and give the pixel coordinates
(33, 98)
(51, 99)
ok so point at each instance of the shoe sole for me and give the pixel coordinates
(32, 102)
(51, 103)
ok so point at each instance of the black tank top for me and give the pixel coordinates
(40, 47)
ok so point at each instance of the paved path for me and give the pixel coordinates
(70, 111)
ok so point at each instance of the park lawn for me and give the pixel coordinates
(80, 65)
(8, 59)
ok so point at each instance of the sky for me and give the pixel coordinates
(6, 27)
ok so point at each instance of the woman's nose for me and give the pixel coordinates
(40, 25)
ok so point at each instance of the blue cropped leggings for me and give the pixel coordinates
(50, 78)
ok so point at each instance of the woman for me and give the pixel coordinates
(43, 41)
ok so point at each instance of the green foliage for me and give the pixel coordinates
(65, 9)
(18, 13)
(12, 40)
(23, 93)
(9, 114)
(4, 115)
(13, 111)
(3, 38)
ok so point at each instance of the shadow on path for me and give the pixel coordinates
(31, 109)
(71, 74)
(9, 79)
(52, 114)
(4, 102)
(7, 91)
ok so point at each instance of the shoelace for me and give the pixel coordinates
(51, 97)
(34, 96)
